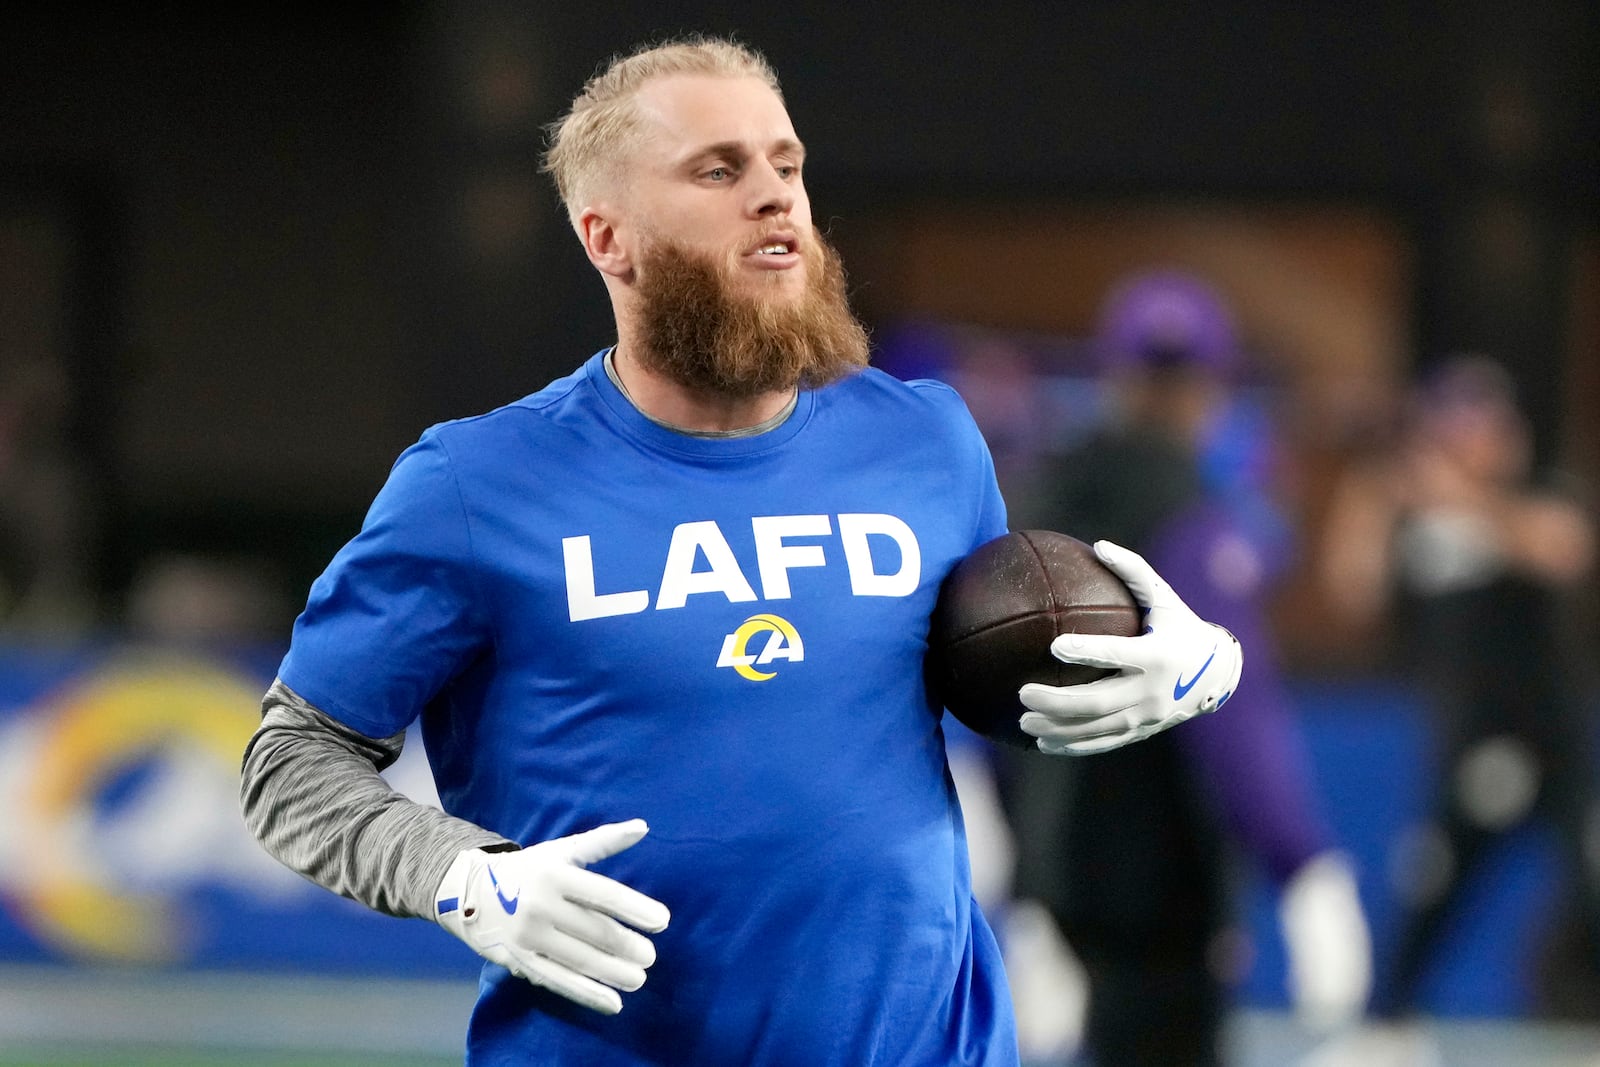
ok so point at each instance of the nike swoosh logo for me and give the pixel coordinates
(1180, 690)
(511, 905)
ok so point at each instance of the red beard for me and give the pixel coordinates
(699, 332)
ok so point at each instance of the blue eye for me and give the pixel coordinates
(718, 174)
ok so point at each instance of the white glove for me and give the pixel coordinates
(1329, 947)
(541, 916)
(1181, 666)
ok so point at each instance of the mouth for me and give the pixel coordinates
(778, 251)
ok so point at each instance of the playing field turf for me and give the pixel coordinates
(110, 1056)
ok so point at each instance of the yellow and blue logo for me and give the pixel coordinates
(782, 642)
(102, 884)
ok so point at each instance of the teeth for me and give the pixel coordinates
(774, 249)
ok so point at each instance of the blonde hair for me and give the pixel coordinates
(588, 142)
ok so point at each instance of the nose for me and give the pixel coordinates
(770, 194)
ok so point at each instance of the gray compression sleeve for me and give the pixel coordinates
(312, 796)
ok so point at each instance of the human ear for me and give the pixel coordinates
(604, 244)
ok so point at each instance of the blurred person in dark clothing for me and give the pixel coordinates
(44, 505)
(1474, 551)
(1130, 852)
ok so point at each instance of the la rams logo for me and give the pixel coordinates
(782, 642)
(161, 734)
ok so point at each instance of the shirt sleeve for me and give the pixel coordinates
(974, 455)
(397, 614)
(312, 795)
(992, 521)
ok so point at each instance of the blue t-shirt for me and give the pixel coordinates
(598, 618)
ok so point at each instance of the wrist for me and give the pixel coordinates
(449, 898)
(1230, 648)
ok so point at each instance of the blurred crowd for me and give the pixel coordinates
(52, 529)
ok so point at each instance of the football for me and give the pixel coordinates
(996, 615)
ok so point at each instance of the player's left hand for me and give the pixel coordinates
(1180, 667)
(544, 916)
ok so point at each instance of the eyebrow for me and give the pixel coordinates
(736, 150)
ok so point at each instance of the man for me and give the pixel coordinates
(1130, 852)
(1476, 551)
(684, 590)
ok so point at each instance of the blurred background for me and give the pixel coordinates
(248, 253)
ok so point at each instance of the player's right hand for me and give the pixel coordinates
(1180, 667)
(541, 915)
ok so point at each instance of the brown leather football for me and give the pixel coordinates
(997, 613)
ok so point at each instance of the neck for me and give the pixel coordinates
(670, 402)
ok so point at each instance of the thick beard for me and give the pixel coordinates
(701, 333)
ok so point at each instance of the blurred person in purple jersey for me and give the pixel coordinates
(1130, 852)
(663, 624)
(1450, 528)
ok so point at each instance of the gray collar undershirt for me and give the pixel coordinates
(748, 431)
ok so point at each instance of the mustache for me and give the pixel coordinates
(800, 239)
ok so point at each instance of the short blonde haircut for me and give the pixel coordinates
(589, 142)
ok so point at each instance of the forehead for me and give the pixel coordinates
(681, 114)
